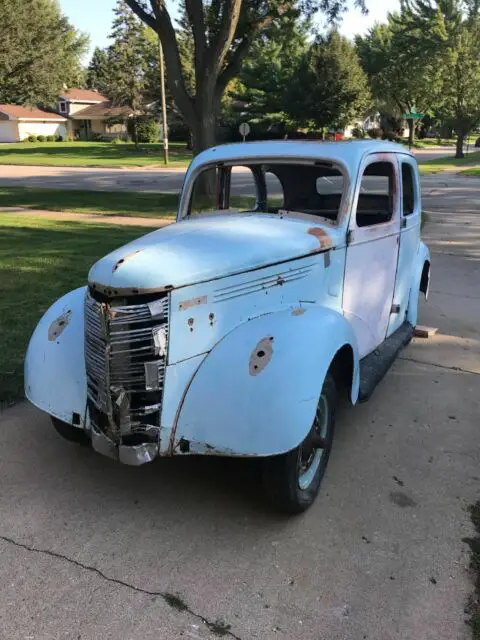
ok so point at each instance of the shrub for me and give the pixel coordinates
(147, 130)
(41, 138)
(358, 132)
(118, 141)
(32, 138)
(59, 139)
(50, 138)
(375, 133)
(179, 132)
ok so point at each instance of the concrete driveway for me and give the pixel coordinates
(186, 549)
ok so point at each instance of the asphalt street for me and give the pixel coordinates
(136, 179)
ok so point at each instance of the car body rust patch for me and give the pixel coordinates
(192, 302)
(298, 311)
(58, 326)
(261, 356)
(124, 259)
(323, 238)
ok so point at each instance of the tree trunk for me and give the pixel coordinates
(203, 130)
(204, 137)
(459, 146)
(411, 132)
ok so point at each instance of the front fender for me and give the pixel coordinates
(257, 391)
(422, 258)
(55, 379)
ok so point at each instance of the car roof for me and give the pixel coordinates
(346, 152)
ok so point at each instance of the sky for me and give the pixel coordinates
(94, 17)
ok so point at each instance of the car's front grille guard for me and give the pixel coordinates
(125, 357)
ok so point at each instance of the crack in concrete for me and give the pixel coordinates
(219, 628)
(440, 366)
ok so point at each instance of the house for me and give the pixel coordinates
(90, 114)
(17, 123)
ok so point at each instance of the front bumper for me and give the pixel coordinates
(131, 454)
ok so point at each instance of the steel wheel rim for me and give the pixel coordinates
(309, 457)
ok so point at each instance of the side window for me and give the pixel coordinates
(375, 200)
(408, 182)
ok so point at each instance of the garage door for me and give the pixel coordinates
(8, 131)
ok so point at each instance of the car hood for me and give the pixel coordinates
(205, 248)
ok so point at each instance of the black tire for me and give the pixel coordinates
(282, 474)
(70, 433)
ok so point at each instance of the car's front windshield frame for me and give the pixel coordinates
(257, 167)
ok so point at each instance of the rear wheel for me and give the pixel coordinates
(291, 481)
(69, 432)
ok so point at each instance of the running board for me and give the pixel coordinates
(374, 366)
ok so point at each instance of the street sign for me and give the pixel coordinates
(413, 115)
(244, 129)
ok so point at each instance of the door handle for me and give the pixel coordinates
(404, 223)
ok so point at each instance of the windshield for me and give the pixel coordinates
(314, 189)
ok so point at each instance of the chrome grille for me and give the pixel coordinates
(125, 354)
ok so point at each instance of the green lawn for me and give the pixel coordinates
(39, 261)
(108, 203)
(475, 171)
(92, 154)
(119, 203)
(450, 164)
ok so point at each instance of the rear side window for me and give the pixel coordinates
(375, 200)
(408, 182)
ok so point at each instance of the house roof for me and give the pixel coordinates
(101, 111)
(18, 112)
(82, 95)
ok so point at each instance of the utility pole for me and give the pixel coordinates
(164, 103)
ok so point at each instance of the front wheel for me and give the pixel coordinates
(292, 480)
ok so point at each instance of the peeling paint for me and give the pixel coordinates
(193, 302)
(58, 326)
(261, 356)
(122, 260)
(298, 311)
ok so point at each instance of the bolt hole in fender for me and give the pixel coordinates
(291, 481)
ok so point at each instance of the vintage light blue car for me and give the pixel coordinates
(293, 273)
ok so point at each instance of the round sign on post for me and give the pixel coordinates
(244, 129)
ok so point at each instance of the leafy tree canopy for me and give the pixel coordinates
(329, 87)
(39, 52)
(222, 34)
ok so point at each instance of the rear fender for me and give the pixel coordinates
(55, 379)
(257, 391)
(420, 282)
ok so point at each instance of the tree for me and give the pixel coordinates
(329, 87)
(99, 72)
(223, 32)
(269, 69)
(403, 64)
(39, 52)
(462, 83)
(450, 31)
(127, 59)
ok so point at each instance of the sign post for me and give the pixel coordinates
(244, 129)
(412, 115)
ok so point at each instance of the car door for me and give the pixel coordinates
(410, 219)
(372, 250)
